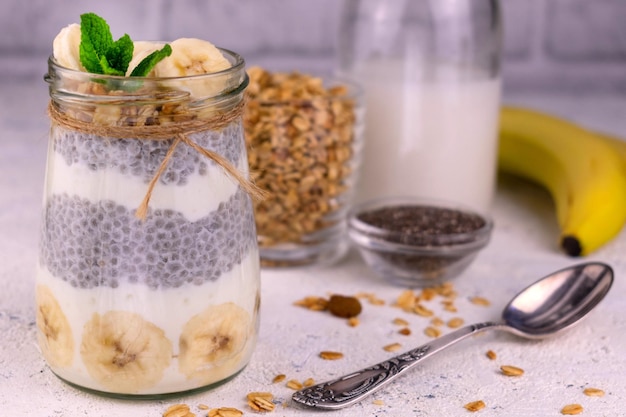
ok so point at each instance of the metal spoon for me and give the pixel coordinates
(550, 305)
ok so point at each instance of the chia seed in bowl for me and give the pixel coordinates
(417, 242)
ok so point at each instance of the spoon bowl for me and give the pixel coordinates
(558, 301)
(547, 307)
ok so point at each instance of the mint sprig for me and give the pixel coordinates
(99, 54)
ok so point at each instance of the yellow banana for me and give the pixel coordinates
(616, 143)
(582, 172)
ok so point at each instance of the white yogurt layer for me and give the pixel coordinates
(201, 194)
(168, 309)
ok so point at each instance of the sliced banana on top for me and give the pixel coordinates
(66, 47)
(124, 352)
(213, 343)
(191, 56)
(54, 331)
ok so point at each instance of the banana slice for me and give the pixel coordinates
(124, 352)
(66, 47)
(55, 334)
(213, 343)
(191, 56)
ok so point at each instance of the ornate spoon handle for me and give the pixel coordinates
(349, 389)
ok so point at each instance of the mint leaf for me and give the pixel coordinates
(95, 40)
(146, 65)
(120, 53)
(97, 32)
(106, 68)
(89, 58)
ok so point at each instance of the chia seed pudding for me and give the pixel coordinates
(184, 280)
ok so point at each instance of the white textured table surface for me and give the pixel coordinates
(523, 248)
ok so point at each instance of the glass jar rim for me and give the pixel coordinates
(238, 64)
(234, 80)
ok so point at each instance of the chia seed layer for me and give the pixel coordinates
(101, 244)
(142, 158)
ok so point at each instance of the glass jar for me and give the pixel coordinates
(303, 135)
(430, 71)
(148, 275)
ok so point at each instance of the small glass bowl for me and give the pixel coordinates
(418, 259)
(304, 153)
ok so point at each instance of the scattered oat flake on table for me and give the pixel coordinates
(378, 402)
(427, 294)
(330, 355)
(279, 378)
(400, 322)
(448, 305)
(455, 322)
(225, 412)
(509, 370)
(203, 407)
(450, 308)
(178, 410)
(491, 355)
(261, 405)
(392, 347)
(420, 310)
(260, 394)
(313, 303)
(593, 392)
(432, 332)
(309, 382)
(572, 409)
(294, 384)
(475, 406)
(437, 322)
(353, 322)
(261, 401)
(446, 290)
(371, 298)
(406, 300)
(405, 331)
(449, 294)
(480, 301)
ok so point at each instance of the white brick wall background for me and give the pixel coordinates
(549, 44)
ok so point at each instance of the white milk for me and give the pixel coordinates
(433, 140)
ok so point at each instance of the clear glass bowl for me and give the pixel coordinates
(304, 153)
(418, 258)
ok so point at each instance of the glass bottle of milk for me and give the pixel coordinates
(430, 70)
